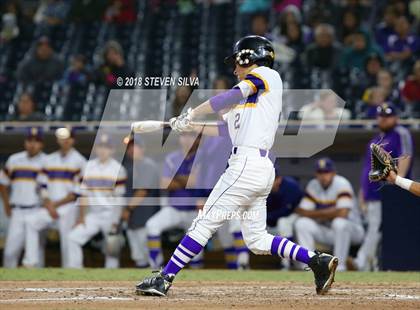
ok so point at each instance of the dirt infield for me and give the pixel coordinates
(209, 295)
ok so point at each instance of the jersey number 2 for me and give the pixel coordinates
(237, 118)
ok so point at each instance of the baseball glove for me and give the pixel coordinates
(382, 163)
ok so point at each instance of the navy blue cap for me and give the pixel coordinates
(386, 109)
(34, 133)
(325, 165)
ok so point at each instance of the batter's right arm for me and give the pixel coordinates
(220, 130)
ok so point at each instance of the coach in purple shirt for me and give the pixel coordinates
(402, 45)
(397, 140)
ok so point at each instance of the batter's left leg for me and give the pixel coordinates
(260, 242)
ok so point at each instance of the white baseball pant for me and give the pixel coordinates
(285, 225)
(82, 233)
(137, 240)
(15, 239)
(244, 186)
(41, 220)
(368, 251)
(340, 235)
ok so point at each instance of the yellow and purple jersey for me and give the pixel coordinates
(61, 174)
(101, 183)
(339, 194)
(22, 174)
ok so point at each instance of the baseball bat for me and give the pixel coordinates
(150, 126)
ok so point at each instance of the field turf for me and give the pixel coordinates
(99, 274)
(103, 289)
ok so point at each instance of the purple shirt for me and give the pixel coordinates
(399, 142)
(396, 44)
(176, 164)
(382, 33)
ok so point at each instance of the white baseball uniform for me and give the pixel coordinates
(245, 185)
(21, 174)
(339, 232)
(60, 177)
(102, 181)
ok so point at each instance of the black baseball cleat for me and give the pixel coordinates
(156, 284)
(324, 266)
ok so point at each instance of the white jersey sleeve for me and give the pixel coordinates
(308, 200)
(77, 179)
(345, 195)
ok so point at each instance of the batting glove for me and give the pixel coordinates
(182, 123)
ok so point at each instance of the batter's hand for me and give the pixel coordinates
(182, 123)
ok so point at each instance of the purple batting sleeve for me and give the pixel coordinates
(226, 99)
(223, 129)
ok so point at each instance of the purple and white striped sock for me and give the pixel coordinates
(185, 251)
(287, 249)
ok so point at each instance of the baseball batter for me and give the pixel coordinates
(60, 182)
(103, 179)
(19, 190)
(255, 104)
